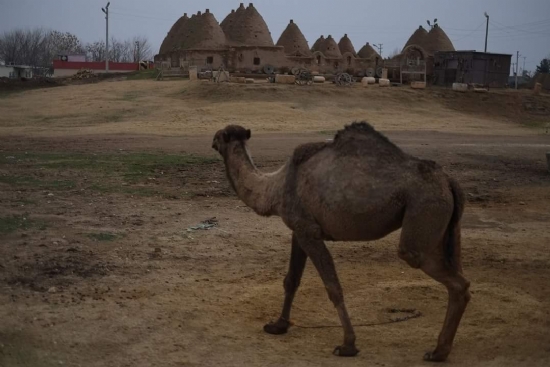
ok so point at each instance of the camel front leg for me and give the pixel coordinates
(292, 281)
(320, 256)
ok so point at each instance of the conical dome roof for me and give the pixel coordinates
(247, 27)
(232, 19)
(202, 32)
(345, 45)
(228, 21)
(330, 49)
(419, 38)
(437, 40)
(367, 52)
(293, 40)
(172, 36)
(318, 43)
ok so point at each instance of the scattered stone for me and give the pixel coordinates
(52, 290)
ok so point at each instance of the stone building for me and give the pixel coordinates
(243, 43)
(416, 60)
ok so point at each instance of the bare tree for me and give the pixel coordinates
(130, 50)
(36, 47)
(116, 50)
(142, 48)
(95, 51)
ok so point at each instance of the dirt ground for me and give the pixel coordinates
(101, 183)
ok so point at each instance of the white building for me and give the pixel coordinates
(15, 71)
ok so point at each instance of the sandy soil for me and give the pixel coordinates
(100, 183)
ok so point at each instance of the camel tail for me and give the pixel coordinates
(452, 246)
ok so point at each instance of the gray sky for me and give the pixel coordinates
(516, 25)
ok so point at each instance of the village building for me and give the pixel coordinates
(15, 71)
(242, 43)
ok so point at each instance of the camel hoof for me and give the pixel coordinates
(277, 328)
(434, 357)
(345, 351)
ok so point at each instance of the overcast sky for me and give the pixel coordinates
(515, 25)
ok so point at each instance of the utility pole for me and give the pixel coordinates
(379, 47)
(486, 31)
(106, 11)
(517, 68)
(523, 71)
(138, 55)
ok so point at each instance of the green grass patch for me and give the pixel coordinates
(55, 185)
(25, 202)
(12, 223)
(103, 236)
(124, 173)
(143, 74)
(19, 350)
(129, 165)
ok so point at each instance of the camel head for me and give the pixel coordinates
(225, 136)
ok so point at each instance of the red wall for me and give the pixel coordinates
(114, 66)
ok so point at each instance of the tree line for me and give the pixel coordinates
(38, 47)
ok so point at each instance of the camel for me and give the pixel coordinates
(358, 187)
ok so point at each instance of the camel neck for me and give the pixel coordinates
(257, 190)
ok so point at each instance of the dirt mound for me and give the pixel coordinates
(523, 108)
(9, 85)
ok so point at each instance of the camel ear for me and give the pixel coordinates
(248, 134)
(225, 136)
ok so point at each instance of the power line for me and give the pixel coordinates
(472, 32)
(143, 17)
(504, 27)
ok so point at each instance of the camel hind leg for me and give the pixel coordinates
(459, 296)
(424, 237)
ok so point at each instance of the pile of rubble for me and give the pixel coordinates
(84, 74)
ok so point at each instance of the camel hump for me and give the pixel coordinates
(362, 138)
(361, 128)
(305, 151)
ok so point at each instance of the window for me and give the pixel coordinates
(12, 75)
(210, 60)
(256, 61)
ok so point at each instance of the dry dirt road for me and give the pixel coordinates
(100, 183)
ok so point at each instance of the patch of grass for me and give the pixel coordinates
(56, 185)
(137, 191)
(143, 74)
(6, 94)
(12, 223)
(25, 202)
(124, 173)
(128, 164)
(18, 350)
(19, 180)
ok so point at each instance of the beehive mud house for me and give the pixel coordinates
(243, 43)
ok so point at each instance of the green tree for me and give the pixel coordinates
(544, 66)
